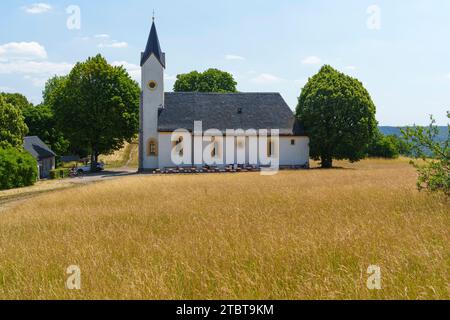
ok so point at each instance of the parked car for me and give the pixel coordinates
(86, 169)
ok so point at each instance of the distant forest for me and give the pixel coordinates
(394, 131)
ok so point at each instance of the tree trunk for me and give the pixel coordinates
(326, 162)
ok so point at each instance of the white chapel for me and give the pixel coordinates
(204, 119)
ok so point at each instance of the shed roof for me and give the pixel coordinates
(37, 148)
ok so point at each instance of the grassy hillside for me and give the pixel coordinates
(128, 156)
(296, 235)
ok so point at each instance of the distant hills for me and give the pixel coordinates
(395, 131)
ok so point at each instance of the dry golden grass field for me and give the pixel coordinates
(297, 235)
(128, 156)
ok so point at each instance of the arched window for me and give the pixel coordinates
(152, 147)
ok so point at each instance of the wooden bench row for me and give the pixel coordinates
(206, 169)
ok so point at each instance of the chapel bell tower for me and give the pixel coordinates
(153, 64)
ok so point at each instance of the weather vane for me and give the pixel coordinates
(153, 16)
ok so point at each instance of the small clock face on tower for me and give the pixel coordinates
(152, 85)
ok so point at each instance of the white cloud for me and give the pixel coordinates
(22, 50)
(37, 81)
(113, 44)
(447, 76)
(311, 60)
(351, 68)
(234, 57)
(266, 78)
(35, 67)
(6, 89)
(30, 60)
(102, 36)
(37, 8)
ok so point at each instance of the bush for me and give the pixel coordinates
(383, 146)
(17, 169)
(434, 170)
(60, 173)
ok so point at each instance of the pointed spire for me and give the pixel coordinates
(153, 47)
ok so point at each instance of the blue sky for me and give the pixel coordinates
(399, 49)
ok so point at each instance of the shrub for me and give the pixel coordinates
(434, 170)
(17, 168)
(383, 146)
(60, 173)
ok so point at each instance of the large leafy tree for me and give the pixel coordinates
(97, 107)
(212, 80)
(17, 100)
(338, 115)
(51, 89)
(41, 122)
(39, 119)
(12, 125)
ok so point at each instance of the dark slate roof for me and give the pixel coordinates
(228, 111)
(153, 47)
(37, 148)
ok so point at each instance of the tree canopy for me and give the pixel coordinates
(17, 100)
(97, 107)
(41, 122)
(52, 86)
(338, 115)
(212, 80)
(12, 125)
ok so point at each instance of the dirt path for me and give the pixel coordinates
(8, 198)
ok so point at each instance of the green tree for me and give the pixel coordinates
(382, 146)
(97, 107)
(51, 89)
(17, 100)
(434, 168)
(12, 125)
(41, 122)
(212, 80)
(338, 115)
(402, 146)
